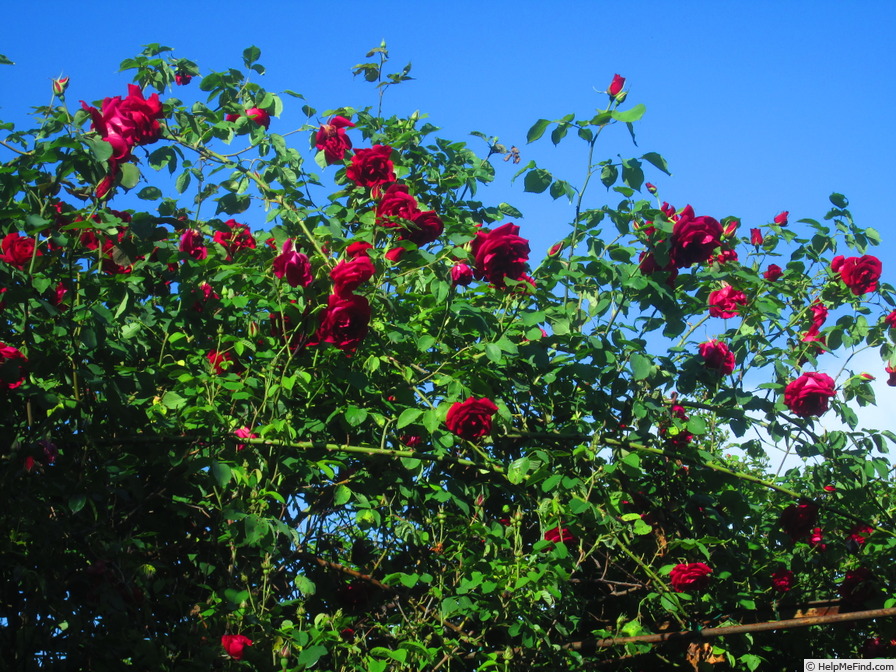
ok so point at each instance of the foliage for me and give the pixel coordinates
(201, 441)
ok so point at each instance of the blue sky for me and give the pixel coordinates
(757, 106)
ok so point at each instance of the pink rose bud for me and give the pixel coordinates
(616, 85)
(60, 85)
(781, 218)
(651, 188)
(756, 237)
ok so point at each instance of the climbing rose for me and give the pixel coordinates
(191, 244)
(890, 320)
(222, 362)
(17, 250)
(471, 419)
(857, 587)
(819, 315)
(500, 254)
(560, 534)
(773, 273)
(347, 276)
(244, 433)
(616, 85)
(461, 274)
(725, 302)
(694, 239)
(756, 237)
(396, 204)
(858, 535)
(690, 577)
(357, 249)
(127, 123)
(238, 238)
(12, 367)
(292, 265)
(344, 322)
(234, 645)
(332, 140)
(809, 394)
(717, 356)
(816, 539)
(182, 78)
(783, 580)
(425, 227)
(860, 274)
(781, 218)
(797, 519)
(256, 114)
(371, 167)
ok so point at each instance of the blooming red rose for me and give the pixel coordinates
(860, 274)
(694, 239)
(809, 394)
(857, 587)
(781, 218)
(690, 577)
(616, 85)
(797, 519)
(726, 302)
(500, 254)
(461, 274)
(560, 534)
(206, 292)
(358, 248)
(756, 237)
(332, 140)
(127, 123)
(819, 315)
(344, 322)
(471, 419)
(890, 320)
(371, 167)
(17, 250)
(12, 367)
(424, 228)
(816, 539)
(293, 265)
(222, 362)
(347, 276)
(238, 238)
(234, 645)
(783, 580)
(244, 433)
(773, 273)
(182, 78)
(717, 356)
(725, 256)
(191, 244)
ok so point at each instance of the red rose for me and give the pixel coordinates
(347, 276)
(650, 187)
(819, 315)
(244, 433)
(560, 534)
(781, 218)
(717, 356)
(857, 587)
(500, 254)
(616, 85)
(726, 302)
(690, 577)
(725, 256)
(332, 140)
(238, 238)
(797, 519)
(425, 227)
(892, 381)
(860, 274)
(182, 78)
(773, 273)
(191, 244)
(890, 320)
(461, 274)
(293, 265)
(259, 116)
(816, 539)
(12, 367)
(234, 645)
(809, 394)
(694, 239)
(222, 362)
(858, 535)
(205, 293)
(371, 167)
(344, 322)
(471, 419)
(357, 249)
(783, 580)
(17, 250)
(756, 237)
(129, 122)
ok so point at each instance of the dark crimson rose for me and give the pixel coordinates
(182, 78)
(244, 433)
(875, 647)
(191, 244)
(425, 227)
(857, 587)
(238, 238)
(773, 273)
(12, 367)
(756, 237)
(344, 322)
(17, 250)
(471, 419)
(673, 437)
(725, 256)
(781, 218)
(500, 254)
(858, 535)
(816, 538)
(797, 519)
(292, 265)
(234, 645)
(371, 167)
(783, 580)
(651, 188)
(222, 362)
(694, 239)
(809, 394)
(347, 276)
(616, 85)
(461, 274)
(127, 123)
(726, 302)
(892, 372)
(690, 577)
(717, 356)
(860, 274)
(890, 320)
(205, 293)
(332, 140)
(560, 534)
(358, 248)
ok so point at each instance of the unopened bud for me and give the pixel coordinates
(60, 85)
(620, 98)
(651, 188)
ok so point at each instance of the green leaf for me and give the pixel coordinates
(632, 175)
(5, 61)
(536, 181)
(408, 416)
(130, 175)
(354, 416)
(517, 470)
(250, 55)
(342, 494)
(76, 502)
(537, 130)
(183, 181)
(629, 115)
(150, 193)
(839, 200)
(305, 585)
(697, 425)
(310, 656)
(102, 150)
(657, 161)
(559, 133)
(221, 473)
(608, 175)
(641, 366)
(173, 400)
(509, 210)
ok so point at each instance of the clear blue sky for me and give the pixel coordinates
(758, 106)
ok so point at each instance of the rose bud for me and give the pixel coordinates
(60, 85)
(651, 188)
(616, 85)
